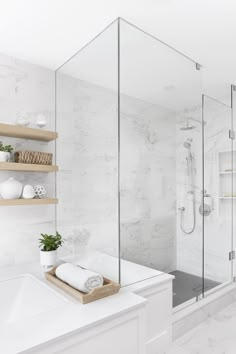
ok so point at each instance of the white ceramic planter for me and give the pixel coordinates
(48, 260)
(11, 189)
(5, 156)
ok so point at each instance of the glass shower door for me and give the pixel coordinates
(233, 174)
(217, 192)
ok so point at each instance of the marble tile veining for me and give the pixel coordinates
(216, 335)
(147, 178)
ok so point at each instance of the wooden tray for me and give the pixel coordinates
(109, 288)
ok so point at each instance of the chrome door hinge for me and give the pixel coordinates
(198, 66)
(231, 134)
(231, 255)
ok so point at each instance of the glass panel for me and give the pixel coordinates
(87, 154)
(160, 163)
(233, 164)
(215, 85)
(218, 193)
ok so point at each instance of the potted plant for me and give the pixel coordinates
(48, 253)
(5, 152)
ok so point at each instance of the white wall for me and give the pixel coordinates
(29, 88)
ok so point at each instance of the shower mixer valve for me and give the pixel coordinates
(207, 204)
(181, 208)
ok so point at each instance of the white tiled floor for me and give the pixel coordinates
(216, 335)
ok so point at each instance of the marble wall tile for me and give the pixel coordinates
(88, 156)
(147, 174)
(29, 89)
(148, 185)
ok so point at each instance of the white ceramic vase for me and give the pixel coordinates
(28, 192)
(41, 121)
(5, 156)
(11, 189)
(48, 260)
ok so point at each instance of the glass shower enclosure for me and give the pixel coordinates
(145, 181)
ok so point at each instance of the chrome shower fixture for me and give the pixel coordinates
(189, 126)
(207, 204)
(187, 143)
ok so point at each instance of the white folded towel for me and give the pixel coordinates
(79, 278)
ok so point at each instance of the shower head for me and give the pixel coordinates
(189, 126)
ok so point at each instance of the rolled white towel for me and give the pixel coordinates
(79, 278)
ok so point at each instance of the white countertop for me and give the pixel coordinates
(71, 316)
(108, 266)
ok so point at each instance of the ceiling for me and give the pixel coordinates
(48, 32)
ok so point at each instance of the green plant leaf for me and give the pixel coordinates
(5, 148)
(49, 243)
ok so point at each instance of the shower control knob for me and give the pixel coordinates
(181, 209)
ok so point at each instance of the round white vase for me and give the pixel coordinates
(11, 189)
(48, 260)
(5, 156)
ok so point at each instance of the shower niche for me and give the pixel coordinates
(226, 173)
(138, 152)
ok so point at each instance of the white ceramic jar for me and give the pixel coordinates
(48, 260)
(41, 121)
(28, 192)
(5, 156)
(11, 189)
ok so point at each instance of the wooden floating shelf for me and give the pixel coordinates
(227, 172)
(18, 131)
(229, 198)
(43, 201)
(14, 166)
